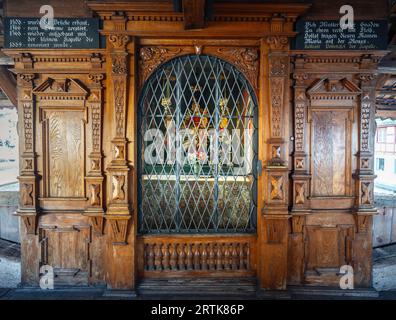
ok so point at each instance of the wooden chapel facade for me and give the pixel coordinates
(79, 152)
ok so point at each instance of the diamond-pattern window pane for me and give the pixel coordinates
(197, 149)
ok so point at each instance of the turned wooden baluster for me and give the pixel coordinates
(204, 257)
(173, 257)
(247, 255)
(219, 257)
(227, 256)
(241, 252)
(158, 256)
(197, 265)
(189, 257)
(234, 255)
(150, 256)
(182, 257)
(212, 255)
(165, 255)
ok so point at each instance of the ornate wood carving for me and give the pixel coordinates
(118, 187)
(277, 42)
(118, 210)
(366, 197)
(300, 193)
(94, 178)
(277, 92)
(246, 60)
(277, 188)
(27, 209)
(119, 41)
(151, 57)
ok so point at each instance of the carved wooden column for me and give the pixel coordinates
(118, 211)
(364, 177)
(275, 211)
(28, 179)
(121, 266)
(300, 176)
(94, 178)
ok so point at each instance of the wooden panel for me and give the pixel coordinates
(66, 249)
(65, 154)
(329, 152)
(322, 247)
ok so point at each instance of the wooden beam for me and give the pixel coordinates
(8, 85)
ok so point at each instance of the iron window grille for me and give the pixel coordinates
(197, 149)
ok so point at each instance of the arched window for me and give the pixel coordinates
(197, 148)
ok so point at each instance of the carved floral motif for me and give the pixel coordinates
(119, 65)
(246, 60)
(152, 57)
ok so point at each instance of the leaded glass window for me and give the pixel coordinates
(197, 135)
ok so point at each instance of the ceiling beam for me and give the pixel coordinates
(8, 85)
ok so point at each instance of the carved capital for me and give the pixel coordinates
(26, 79)
(277, 42)
(96, 78)
(366, 77)
(119, 41)
(300, 78)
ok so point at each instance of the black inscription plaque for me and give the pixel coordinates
(328, 35)
(68, 33)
